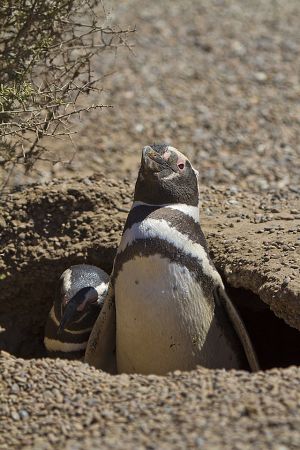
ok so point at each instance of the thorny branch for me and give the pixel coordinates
(48, 56)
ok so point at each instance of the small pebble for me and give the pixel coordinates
(15, 416)
(260, 76)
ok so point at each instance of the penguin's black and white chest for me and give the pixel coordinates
(167, 307)
(164, 285)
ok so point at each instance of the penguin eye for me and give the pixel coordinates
(180, 165)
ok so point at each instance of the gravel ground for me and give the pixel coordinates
(72, 406)
(218, 79)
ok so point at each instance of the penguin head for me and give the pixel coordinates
(81, 292)
(166, 176)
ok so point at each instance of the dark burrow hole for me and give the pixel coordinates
(276, 343)
(23, 316)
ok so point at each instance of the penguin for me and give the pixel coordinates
(166, 307)
(79, 298)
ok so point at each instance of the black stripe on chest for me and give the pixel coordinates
(78, 338)
(176, 219)
(154, 246)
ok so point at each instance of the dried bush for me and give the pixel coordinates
(47, 50)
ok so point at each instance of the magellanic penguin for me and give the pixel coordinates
(171, 308)
(80, 293)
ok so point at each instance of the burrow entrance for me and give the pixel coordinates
(24, 312)
(276, 343)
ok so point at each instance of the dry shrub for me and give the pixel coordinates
(47, 50)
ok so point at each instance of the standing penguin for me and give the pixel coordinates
(169, 301)
(79, 298)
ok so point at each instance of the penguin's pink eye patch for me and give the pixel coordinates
(166, 155)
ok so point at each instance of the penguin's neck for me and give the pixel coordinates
(189, 210)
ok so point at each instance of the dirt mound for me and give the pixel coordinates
(255, 243)
(45, 229)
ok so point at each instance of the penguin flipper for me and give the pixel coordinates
(239, 328)
(101, 347)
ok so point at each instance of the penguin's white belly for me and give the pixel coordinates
(164, 322)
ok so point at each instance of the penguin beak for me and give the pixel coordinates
(70, 309)
(78, 303)
(68, 315)
(152, 160)
(149, 153)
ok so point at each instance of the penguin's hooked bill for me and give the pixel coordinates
(83, 298)
(150, 154)
(158, 158)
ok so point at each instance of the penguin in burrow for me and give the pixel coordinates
(166, 308)
(78, 300)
